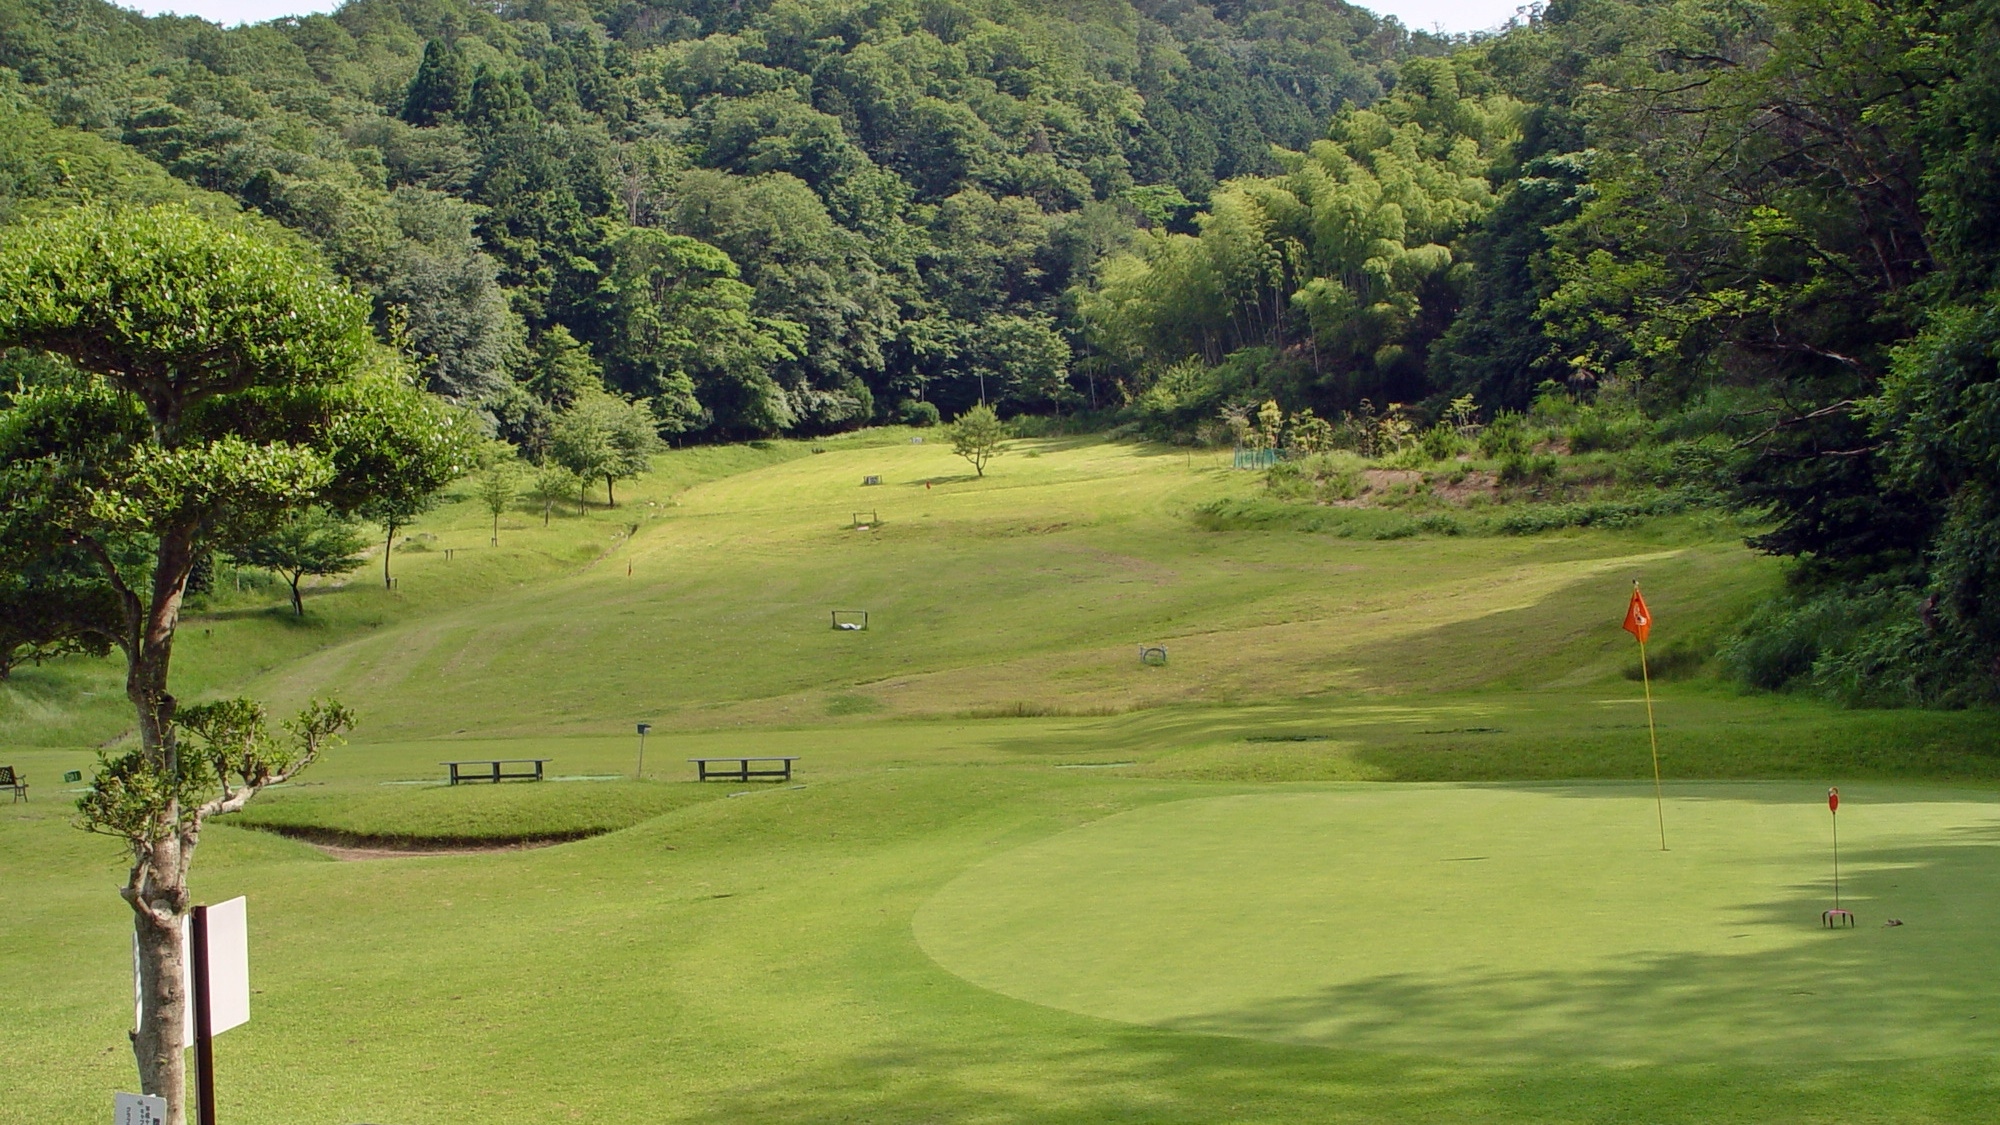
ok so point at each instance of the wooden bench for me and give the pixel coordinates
(489, 769)
(741, 770)
(11, 780)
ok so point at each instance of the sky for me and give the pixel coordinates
(1427, 15)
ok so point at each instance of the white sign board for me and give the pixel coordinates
(139, 1109)
(228, 965)
(228, 970)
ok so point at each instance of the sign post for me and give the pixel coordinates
(204, 1023)
(640, 773)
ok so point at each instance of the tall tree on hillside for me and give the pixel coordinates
(221, 382)
(442, 85)
(683, 332)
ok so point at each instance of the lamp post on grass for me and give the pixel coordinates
(640, 773)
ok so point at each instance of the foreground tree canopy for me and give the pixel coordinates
(200, 385)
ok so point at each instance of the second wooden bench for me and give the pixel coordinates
(741, 769)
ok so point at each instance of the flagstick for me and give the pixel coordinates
(1659, 802)
(1836, 859)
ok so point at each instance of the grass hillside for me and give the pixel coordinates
(1029, 589)
(1019, 876)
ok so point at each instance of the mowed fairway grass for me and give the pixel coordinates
(1378, 843)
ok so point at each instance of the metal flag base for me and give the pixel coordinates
(1836, 917)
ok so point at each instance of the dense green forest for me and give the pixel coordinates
(1761, 240)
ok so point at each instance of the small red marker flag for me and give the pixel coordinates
(1638, 619)
(1833, 800)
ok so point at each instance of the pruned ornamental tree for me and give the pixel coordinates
(313, 541)
(213, 383)
(978, 436)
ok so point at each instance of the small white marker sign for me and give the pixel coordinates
(228, 971)
(139, 1109)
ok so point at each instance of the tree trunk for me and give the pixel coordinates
(158, 909)
(496, 529)
(298, 607)
(388, 543)
(157, 887)
(610, 500)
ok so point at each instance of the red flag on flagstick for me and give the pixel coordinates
(1639, 623)
(1638, 619)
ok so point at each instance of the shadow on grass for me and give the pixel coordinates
(1138, 1075)
(1832, 998)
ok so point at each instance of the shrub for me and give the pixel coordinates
(921, 414)
(1322, 477)
(1505, 436)
(1535, 518)
(1035, 426)
(1597, 427)
(1520, 468)
(1441, 442)
(1869, 647)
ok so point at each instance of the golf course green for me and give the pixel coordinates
(1505, 923)
(1378, 842)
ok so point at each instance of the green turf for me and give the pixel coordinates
(1509, 924)
(755, 952)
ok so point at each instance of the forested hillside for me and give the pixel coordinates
(1757, 239)
(852, 206)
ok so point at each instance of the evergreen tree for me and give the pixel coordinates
(439, 91)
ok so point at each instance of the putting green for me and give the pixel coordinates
(1509, 923)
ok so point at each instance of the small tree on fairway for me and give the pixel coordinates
(314, 541)
(393, 509)
(215, 383)
(977, 436)
(633, 443)
(550, 485)
(580, 441)
(497, 485)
